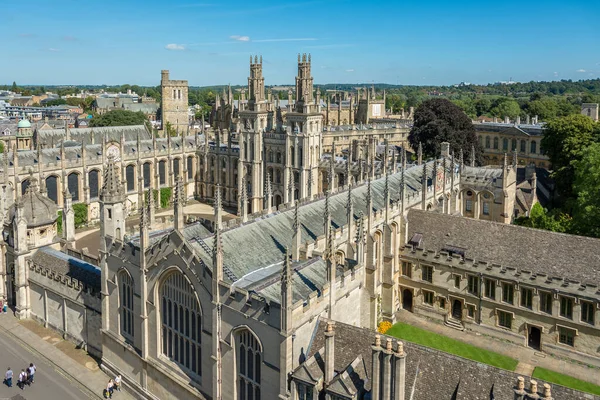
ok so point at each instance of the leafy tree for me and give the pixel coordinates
(14, 88)
(439, 120)
(564, 141)
(586, 213)
(540, 218)
(506, 107)
(1, 147)
(170, 130)
(55, 102)
(119, 118)
(81, 214)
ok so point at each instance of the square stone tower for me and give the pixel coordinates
(590, 110)
(174, 108)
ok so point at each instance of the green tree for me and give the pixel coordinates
(540, 218)
(55, 102)
(586, 213)
(545, 108)
(506, 107)
(170, 130)
(14, 88)
(564, 141)
(119, 118)
(1, 146)
(439, 120)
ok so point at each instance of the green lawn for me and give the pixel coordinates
(443, 343)
(564, 380)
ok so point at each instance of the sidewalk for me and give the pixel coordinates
(63, 354)
(528, 358)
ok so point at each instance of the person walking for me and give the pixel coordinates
(8, 377)
(110, 388)
(31, 371)
(118, 382)
(22, 379)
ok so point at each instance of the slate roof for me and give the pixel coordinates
(146, 108)
(69, 266)
(262, 241)
(53, 137)
(431, 374)
(573, 257)
(518, 130)
(38, 209)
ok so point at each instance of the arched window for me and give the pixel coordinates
(52, 187)
(496, 143)
(505, 144)
(73, 185)
(181, 323)
(533, 147)
(487, 142)
(162, 172)
(147, 176)
(523, 146)
(190, 167)
(176, 167)
(130, 177)
(249, 362)
(24, 185)
(93, 182)
(514, 144)
(126, 304)
(292, 155)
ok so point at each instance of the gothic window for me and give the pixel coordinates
(292, 155)
(428, 297)
(527, 298)
(406, 269)
(507, 292)
(93, 182)
(587, 312)
(181, 323)
(566, 307)
(278, 176)
(487, 142)
(504, 319)
(305, 392)
(300, 155)
(505, 144)
(73, 185)
(279, 157)
(523, 146)
(147, 177)
(490, 289)
(190, 167)
(546, 302)
(566, 336)
(468, 205)
(533, 148)
(473, 285)
(176, 167)
(486, 208)
(130, 177)
(24, 186)
(52, 187)
(249, 365)
(126, 301)
(427, 273)
(162, 172)
(496, 143)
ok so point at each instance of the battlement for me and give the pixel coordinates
(62, 279)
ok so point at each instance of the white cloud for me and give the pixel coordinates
(175, 46)
(349, 70)
(53, 49)
(580, 70)
(555, 73)
(240, 38)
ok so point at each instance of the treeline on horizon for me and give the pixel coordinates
(544, 99)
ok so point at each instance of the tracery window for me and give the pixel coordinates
(162, 172)
(130, 177)
(93, 182)
(73, 185)
(126, 304)
(181, 323)
(249, 365)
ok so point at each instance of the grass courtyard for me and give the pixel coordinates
(456, 347)
(564, 380)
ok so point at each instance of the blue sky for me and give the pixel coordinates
(208, 42)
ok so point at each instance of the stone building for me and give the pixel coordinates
(590, 110)
(174, 103)
(496, 139)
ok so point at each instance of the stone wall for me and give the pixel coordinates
(66, 306)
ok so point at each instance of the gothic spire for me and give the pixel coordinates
(268, 193)
(112, 189)
(218, 241)
(420, 154)
(360, 229)
(178, 201)
(296, 235)
(473, 156)
(244, 200)
(369, 198)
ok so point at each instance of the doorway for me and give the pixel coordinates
(407, 299)
(535, 338)
(11, 292)
(457, 310)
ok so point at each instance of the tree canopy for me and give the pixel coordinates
(119, 118)
(439, 120)
(564, 141)
(586, 213)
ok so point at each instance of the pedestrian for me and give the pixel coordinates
(31, 371)
(8, 377)
(118, 382)
(5, 308)
(110, 388)
(22, 379)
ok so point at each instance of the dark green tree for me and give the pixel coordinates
(119, 118)
(541, 219)
(14, 88)
(586, 213)
(564, 142)
(439, 120)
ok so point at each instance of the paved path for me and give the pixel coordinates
(528, 359)
(64, 372)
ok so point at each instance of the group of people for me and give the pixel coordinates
(26, 376)
(113, 384)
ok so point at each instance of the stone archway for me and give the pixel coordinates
(407, 299)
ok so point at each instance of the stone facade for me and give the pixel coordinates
(590, 110)
(174, 103)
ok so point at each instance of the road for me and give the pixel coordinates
(49, 383)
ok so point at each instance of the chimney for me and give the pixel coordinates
(445, 149)
(547, 392)
(528, 119)
(506, 120)
(387, 371)
(518, 120)
(533, 387)
(375, 374)
(400, 372)
(329, 352)
(520, 389)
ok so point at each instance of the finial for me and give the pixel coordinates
(296, 225)
(377, 340)
(261, 59)
(359, 228)
(286, 273)
(472, 155)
